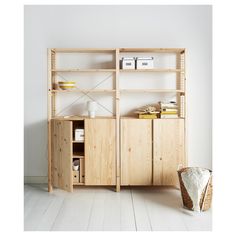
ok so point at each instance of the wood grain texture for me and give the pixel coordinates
(100, 152)
(136, 152)
(62, 155)
(155, 50)
(117, 122)
(168, 150)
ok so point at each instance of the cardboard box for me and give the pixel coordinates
(76, 176)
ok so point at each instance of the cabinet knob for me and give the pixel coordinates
(129, 149)
(160, 158)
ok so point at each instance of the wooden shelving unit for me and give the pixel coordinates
(111, 127)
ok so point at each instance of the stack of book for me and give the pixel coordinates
(147, 112)
(168, 110)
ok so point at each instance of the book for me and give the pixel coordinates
(168, 105)
(169, 109)
(147, 116)
(168, 112)
(169, 116)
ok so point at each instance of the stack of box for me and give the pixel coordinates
(168, 110)
(138, 63)
(78, 168)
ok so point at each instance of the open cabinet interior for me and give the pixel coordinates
(78, 164)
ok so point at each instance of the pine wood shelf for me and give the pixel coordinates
(75, 118)
(83, 70)
(84, 50)
(78, 156)
(74, 141)
(152, 50)
(153, 70)
(83, 91)
(152, 91)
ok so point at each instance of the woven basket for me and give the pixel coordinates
(206, 198)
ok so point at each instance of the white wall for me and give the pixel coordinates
(189, 27)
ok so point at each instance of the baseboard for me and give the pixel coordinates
(35, 179)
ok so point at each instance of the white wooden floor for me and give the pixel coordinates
(100, 208)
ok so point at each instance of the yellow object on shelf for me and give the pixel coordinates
(147, 116)
(66, 84)
(169, 112)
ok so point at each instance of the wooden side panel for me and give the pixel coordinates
(136, 152)
(62, 155)
(100, 152)
(168, 150)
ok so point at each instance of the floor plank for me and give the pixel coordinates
(75, 211)
(140, 209)
(127, 211)
(97, 211)
(112, 215)
(37, 207)
(103, 209)
(163, 205)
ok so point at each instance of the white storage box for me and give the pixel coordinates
(128, 63)
(79, 135)
(144, 63)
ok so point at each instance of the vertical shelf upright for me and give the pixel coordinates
(117, 122)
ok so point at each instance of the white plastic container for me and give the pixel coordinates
(92, 108)
(79, 135)
(144, 63)
(128, 63)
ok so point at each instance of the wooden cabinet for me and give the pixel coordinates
(136, 152)
(168, 150)
(151, 151)
(62, 154)
(96, 154)
(100, 159)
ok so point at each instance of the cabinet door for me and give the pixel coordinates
(62, 154)
(168, 150)
(100, 158)
(136, 152)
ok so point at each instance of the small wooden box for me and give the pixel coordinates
(75, 176)
(82, 170)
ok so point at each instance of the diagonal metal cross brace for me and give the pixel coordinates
(85, 94)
